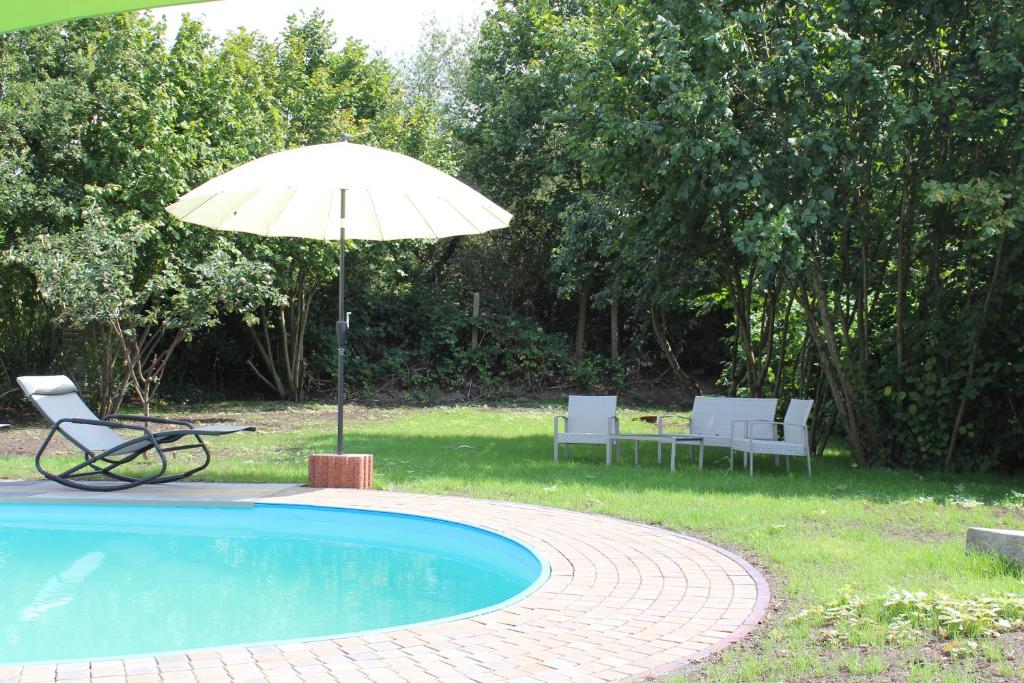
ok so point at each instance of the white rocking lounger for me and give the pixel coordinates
(57, 398)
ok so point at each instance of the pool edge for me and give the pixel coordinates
(576, 544)
(542, 578)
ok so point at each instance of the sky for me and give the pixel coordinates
(390, 26)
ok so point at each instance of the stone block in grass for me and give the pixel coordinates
(1008, 543)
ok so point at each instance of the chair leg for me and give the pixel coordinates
(188, 473)
(608, 453)
(808, 465)
(751, 456)
(787, 463)
(556, 450)
(659, 452)
(672, 457)
(700, 457)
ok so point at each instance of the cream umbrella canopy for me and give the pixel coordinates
(340, 191)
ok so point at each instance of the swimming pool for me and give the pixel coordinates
(95, 581)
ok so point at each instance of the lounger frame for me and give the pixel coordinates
(105, 463)
(101, 467)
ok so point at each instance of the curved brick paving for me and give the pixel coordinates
(624, 601)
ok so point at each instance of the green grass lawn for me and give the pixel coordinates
(846, 531)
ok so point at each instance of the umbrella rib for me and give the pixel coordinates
(422, 217)
(488, 210)
(376, 216)
(470, 223)
(249, 196)
(196, 208)
(252, 194)
(284, 205)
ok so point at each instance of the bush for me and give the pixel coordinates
(420, 349)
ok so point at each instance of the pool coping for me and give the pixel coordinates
(644, 600)
(544, 572)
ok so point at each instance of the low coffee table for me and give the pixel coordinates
(671, 439)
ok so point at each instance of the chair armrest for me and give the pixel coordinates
(748, 423)
(662, 418)
(746, 427)
(100, 423)
(563, 418)
(148, 418)
(613, 425)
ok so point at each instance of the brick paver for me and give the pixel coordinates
(624, 601)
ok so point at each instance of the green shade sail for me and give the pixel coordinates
(19, 14)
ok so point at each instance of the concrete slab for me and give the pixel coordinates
(176, 493)
(1008, 543)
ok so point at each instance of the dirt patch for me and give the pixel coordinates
(642, 396)
(909, 533)
(896, 663)
(273, 417)
(1015, 513)
(887, 529)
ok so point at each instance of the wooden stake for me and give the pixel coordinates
(476, 318)
(615, 330)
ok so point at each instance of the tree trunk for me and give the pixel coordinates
(849, 405)
(739, 296)
(283, 354)
(902, 270)
(954, 433)
(658, 326)
(615, 330)
(266, 350)
(112, 384)
(145, 359)
(780, 369)
(581, 320)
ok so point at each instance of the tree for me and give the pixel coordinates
(858, 162)
(92, 279)
(515, 153)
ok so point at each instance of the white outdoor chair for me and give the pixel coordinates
(717, 420)
(794, 442)
(591, 420)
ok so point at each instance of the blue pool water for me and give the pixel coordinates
(93, 581)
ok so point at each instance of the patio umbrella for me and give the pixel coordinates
(340, 191)
(17, 14)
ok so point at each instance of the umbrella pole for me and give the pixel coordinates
(342, 329)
